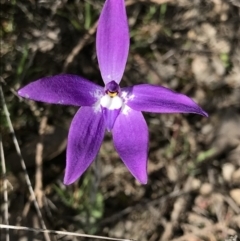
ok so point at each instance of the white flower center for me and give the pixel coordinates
(111, 103)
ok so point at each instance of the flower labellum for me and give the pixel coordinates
(110, 108)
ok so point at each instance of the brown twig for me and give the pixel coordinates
(81, 43)
(39, 159)
(74, 234)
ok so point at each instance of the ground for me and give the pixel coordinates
(193, 191)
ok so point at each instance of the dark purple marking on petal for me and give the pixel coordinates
(112, 86)
(130, 137)
(112, 41)
(84, 140)
(110, 117)
(63, 89)
(159, 99)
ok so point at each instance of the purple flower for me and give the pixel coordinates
(113, 108)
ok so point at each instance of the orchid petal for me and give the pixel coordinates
(112, 40)
(111, 107)
(110, 117)
(159, 99)
(84, 140)
(130, 137)
(63, 89)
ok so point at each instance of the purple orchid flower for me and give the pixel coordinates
(110, 108)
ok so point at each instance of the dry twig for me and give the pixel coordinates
(5, 193)
(74, 234)
(79, 46)
(39, 160)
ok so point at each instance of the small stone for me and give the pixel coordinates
(172, 173)
(207, 129)
(209, 30)
(206, 189)
(192, 34)
(201, 68)
(227, 171)
(235, 195)
(128, 225)
(196, 183)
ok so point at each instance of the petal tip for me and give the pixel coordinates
(19, 92)
(68, 180)
(67, 183)
(144, 181)
(23, 93)
(205, 113)
(201, 112)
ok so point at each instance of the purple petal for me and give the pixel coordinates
(110, 117)
(112, 86)
(63, 89)
(159, 99)
(130, 137)
(84, 140)
(112, 40)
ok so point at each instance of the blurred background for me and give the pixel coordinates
(193, 192)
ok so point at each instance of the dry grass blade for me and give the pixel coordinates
(30, 188)
(62, 233)
(39, 157)
(5, 193)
